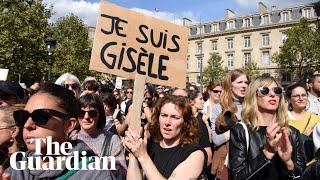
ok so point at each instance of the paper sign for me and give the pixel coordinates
(3, 74)
(118, 83)
(127, 43)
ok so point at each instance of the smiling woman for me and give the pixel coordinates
(173, 150)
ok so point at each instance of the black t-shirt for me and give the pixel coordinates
(204, 135)
(167, 159)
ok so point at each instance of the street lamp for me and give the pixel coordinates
(50, 43)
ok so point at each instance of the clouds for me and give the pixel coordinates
(88, 11)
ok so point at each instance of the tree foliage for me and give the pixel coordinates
(214, 71)
(72, 53)
(23, 28)
(300, 52)
(251, 69)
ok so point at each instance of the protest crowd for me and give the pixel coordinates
(240, 128)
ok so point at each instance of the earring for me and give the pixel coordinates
(12, 139)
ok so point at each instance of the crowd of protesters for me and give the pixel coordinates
(239, 128)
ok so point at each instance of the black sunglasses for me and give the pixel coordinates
(73, 86)
(92, 113)
(39, 116)
(265, 90)
(216, 91)
(129, 92)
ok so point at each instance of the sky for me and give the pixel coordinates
(170, 10)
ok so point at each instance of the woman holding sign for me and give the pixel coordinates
(174, 150)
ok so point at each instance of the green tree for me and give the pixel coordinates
(214, 71)
(300, 51)
(251, 69)
(23, 28)
(73, 51)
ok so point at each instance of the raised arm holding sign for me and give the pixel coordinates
(129, 44)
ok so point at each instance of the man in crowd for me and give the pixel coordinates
(314, 94)
(129, 96)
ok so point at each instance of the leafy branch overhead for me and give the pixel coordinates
(300, 52)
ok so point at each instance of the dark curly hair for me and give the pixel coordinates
(190, 130)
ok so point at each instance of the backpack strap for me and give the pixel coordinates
(226, 163)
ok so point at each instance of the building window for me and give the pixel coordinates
(266, 58)
(306, 13)
(214, 27)
(199, 48)
(230, 60)
(230, 25)
(230, 43)
(286, 77)
(214, 45)
(247, 58)
(265, 39)
(285, 16)
(265, 19)
(283, 37)
(246, 23)
(247, 41)
(198, 79)
(199, 62)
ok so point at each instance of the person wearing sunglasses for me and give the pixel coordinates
(225, 114)
(92, 131)
(51, 112)
(10, 93)
(124, 104)
(214, 90)
(71, 82)
(300, 118)
(265, 147)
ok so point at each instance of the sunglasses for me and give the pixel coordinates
(265, 90)
(73, 86)
(92, 113)
(129, 92)
(216, 91)
(39, 116)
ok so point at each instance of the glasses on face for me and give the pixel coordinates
(39, 116)
(129, 92)
(73, 86)
(92, 113)
(300, 96)
(265, 90)
(216, 91)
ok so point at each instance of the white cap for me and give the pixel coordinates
(316, 136)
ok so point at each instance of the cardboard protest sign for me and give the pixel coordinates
(127, 43)
(118, 83)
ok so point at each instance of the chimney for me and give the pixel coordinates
(229, 14)
(262, 8)
(273, 8)
(186, 22)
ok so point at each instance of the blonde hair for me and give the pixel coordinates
(250, 105)
(6, 115)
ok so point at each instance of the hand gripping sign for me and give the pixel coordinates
(135, 46)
